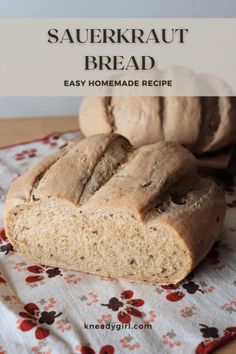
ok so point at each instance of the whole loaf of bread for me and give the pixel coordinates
(102, 207)
(201, 124)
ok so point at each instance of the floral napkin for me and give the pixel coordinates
(46, 310)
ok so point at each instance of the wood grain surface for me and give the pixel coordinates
(16, 131)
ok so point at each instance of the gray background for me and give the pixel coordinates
(40, 106)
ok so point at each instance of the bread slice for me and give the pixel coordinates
(223, 129)
(138, 119)
(104, 208)
(218, 127)
(96, 117)
(182, 120)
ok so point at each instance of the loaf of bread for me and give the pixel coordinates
(201, 124)
(102, 207)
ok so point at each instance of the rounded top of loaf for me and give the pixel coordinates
(105, 170)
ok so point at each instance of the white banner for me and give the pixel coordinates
(147, 57)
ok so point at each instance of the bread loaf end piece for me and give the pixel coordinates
(156, 236)
(225, 133)
(94, 116)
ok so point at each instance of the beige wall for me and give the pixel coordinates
(11, 107)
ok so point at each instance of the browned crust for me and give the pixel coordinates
(21, 189)
(152, 170)
(226, 132)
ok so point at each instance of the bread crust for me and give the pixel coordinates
(95, 108)
(138, 189)
(21, 189)
(226, 132)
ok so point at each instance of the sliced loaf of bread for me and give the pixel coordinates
(103, 207)
(202, 124)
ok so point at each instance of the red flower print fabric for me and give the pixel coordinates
(49, 310)
(128, 306)
(34, 318)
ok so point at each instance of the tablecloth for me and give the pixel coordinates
(46, 310)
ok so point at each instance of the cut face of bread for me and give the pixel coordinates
(102, 207)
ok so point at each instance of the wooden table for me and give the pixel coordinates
(14, 131)
(18, 130)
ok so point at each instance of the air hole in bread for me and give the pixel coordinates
(34, 198)
(132, 262)
(146, 184)
(163, 270)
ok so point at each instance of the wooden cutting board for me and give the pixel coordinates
(220, 161)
